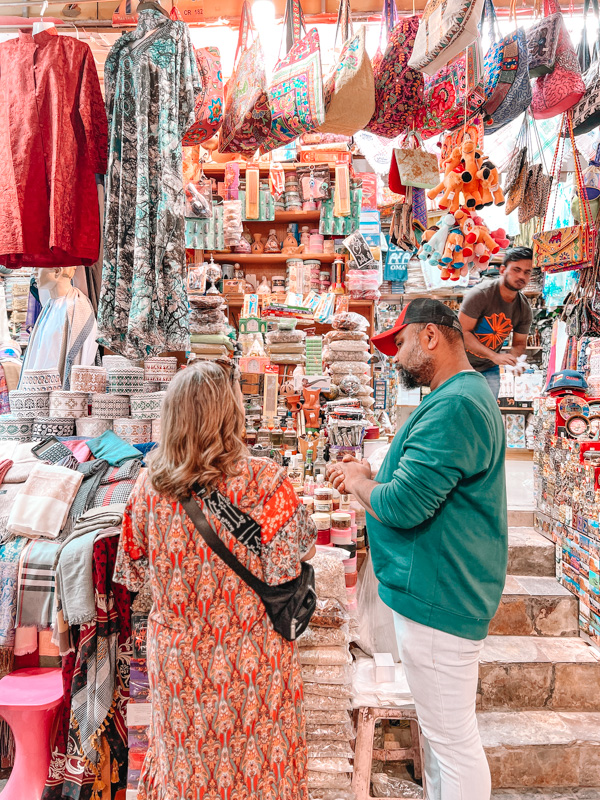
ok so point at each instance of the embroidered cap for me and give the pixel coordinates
(424, 310)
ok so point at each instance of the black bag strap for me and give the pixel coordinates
(203, 527)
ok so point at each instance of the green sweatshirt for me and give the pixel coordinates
(440, 545)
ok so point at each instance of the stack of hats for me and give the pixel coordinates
(40, 408)
(209, 327)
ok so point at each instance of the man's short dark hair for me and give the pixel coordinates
(451, 335)
(518, 254)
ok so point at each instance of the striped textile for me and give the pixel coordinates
(35, 602)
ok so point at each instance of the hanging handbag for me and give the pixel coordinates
(538, 182)
(209, 103)
(296, 90)
(289, 605)
(542, 41)
(349, 91)
(447, 28)
(453, 95)
(573, 247)
(505, 75)
(562, 88)
(586, 113)
(416, 167)
(398, 88)
(247, 116)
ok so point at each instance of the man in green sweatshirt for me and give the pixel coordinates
(437, 528)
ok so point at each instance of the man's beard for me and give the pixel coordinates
(510, 286)
(418, 370)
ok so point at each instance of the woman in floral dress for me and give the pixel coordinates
(226, 691)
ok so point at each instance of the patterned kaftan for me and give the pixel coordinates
(151, 82)
(226, 692)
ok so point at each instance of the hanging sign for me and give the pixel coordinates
(191, 10)
(125, 14)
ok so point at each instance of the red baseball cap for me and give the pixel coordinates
(424, 310)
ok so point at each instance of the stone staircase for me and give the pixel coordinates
(539, 684)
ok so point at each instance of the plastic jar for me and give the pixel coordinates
(322, 521)
(323, 499)
(308, 501)
(341, 538)
(340, 520)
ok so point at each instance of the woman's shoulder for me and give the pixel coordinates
(256, 480)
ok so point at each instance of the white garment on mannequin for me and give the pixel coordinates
(442, 672)
(65, 332)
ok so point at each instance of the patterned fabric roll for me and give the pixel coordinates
(156, 424)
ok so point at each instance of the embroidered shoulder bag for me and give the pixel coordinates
(586, 113)
(398, 88)
(505, 75)
(296, 90)
(247, 117)
(453, 95)
(447, 28)
(569, 248)
(349, 91)
(209, 103)
(561, 89)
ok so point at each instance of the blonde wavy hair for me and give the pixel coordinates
(202, 425)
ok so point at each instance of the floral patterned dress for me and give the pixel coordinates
(226, 692)
(151, 81)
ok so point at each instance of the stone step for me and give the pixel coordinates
(520, 517)
(529, 553)
(539, 749)
(527, 672)
(580, 793)
(535, 606)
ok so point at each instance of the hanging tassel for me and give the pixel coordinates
(97, 788)
(114, 775)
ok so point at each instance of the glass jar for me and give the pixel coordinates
(251, 435)
(276, 435)
(264, 435)
(290, 437)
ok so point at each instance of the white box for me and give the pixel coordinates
(385, 670)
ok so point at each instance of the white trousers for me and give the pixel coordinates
(442, 672)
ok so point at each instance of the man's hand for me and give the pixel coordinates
(505, 360)
(345, 474)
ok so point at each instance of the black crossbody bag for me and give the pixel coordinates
(289, 606)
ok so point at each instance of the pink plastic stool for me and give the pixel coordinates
(29, 701)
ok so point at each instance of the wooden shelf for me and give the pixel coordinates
(292, 216)
(238, 300)
(398, 298)
(219, 169)
(269, 259)
(516, 409)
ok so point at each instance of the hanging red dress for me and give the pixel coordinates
(53, 139)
